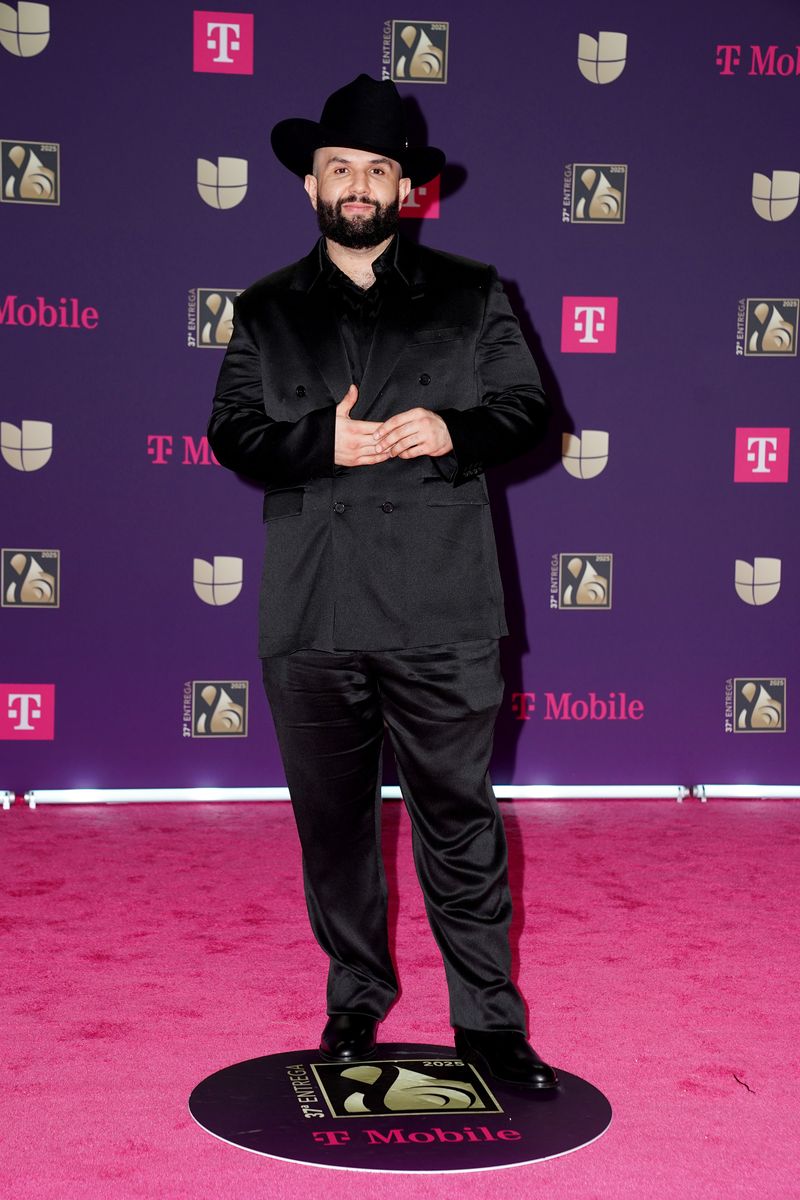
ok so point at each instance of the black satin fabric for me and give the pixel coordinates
(439, 704)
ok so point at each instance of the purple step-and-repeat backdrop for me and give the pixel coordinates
(635, 184)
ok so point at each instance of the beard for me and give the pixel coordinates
(361, 231)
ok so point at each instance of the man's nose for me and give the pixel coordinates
(361, 183)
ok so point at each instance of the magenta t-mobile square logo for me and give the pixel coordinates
(589, 325)
(27, 711)
(761, 456)
(223, 42)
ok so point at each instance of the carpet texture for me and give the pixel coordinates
(146, 946)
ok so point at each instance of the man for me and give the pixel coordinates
(367, 386)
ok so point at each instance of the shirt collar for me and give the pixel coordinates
(384, 266)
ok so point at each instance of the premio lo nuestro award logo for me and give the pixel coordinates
(594, 194)
(30, 172)
(218, 708)
(416, 1108)
(766, 327)
(210, 317)
(30, 578)
(416, 51)
(759, 705)
(584, 581)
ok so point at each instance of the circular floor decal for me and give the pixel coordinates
(411, 1108)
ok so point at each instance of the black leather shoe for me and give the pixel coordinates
(348, 1037)
(506, 1054)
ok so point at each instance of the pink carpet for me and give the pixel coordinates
(150, 945)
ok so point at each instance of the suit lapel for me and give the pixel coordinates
(315, 321)
(398, 316)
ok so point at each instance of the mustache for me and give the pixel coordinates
(355, 200)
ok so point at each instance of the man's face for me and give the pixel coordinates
(356, 195)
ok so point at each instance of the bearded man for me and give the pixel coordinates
(367, 387)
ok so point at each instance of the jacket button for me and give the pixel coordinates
(300, 391)
(338, 507)
(424, 378)
(387, 506)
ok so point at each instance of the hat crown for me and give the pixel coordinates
(367, 110)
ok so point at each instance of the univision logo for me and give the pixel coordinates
(218, 582)
(775, 198)
(222, 184)
(26, 31)
(757, 582)
(586, 456)
(602, 59)
(28, 446)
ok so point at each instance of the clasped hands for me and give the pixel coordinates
(405, 435)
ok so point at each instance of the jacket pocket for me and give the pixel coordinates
(284, 502)
(438, 491)
(437, 335)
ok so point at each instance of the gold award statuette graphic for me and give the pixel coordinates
(219, 708)
(214, 316)
(584, 581)
(30, 578)
(410, 1086)
(28, 446)
(599, 193)
(771, 327)
(757, 582)
(760, 705)
(585, 456)
(222, 184)
(602, 59)
(30, 172)
(419, 51)
(775, 197)
(24, 30)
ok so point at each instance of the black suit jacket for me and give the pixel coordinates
(401, 553)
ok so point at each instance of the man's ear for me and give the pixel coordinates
(404, 187)
(310, 184)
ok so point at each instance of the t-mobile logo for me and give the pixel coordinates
(218, 39)
(24, 707)
(27, 711)
(223, 42)
(589, 325)
(761, 456)
(587, 319)
(762, 450)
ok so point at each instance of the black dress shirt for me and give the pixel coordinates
(357, 308)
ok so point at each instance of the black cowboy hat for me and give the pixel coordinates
(366, 114)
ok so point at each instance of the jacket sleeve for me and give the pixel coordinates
(245, 439)
(513, 412)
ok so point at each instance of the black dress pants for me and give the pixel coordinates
(439, 704)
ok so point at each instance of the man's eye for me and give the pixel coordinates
(378, 170)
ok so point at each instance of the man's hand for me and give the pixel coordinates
(412, 434)
(354, 444)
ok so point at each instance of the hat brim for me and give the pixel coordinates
(295, 140)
